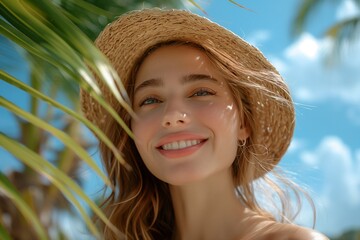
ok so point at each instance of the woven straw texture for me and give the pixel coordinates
(126, 40)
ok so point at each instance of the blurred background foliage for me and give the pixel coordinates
(343, 33)
(39, 195)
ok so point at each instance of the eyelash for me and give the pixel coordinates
(142, 103)
(201, 91)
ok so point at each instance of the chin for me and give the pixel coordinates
(182, 179)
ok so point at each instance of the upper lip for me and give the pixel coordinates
(175, 137)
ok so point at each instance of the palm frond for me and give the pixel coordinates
(10, 191)
(239, 5)
(60, 37)
(343, 33)
(4, 235)
(65, 184)
(41, 29)
(345, 30)
(67, 140)
(304, 12)
(197, 5)
(13, 81)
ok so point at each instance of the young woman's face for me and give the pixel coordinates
(188, 124)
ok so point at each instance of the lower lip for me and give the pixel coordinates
(181, 152)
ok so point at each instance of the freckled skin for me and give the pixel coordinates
(213, 116)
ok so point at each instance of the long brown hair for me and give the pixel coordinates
(140, 204)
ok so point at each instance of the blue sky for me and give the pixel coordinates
(325, 153)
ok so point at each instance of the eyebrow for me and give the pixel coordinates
(157, 82)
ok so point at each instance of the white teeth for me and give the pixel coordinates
(180, 144)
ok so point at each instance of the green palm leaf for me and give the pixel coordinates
(11, 80)
(346, 30)
(67, 140)
(305, 10)
(72, 52)
(67, 186)
(10, 191)
(4, 235)
(343, 32)
(61, 38)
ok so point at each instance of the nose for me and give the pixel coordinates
(175, 118)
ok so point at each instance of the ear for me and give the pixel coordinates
(243, 133)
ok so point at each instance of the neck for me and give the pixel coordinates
(208, 209)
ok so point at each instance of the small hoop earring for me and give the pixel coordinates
(242, 143)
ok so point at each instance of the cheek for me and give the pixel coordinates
(142, 135)
(222, 116)
(223, 120)
(144, 129)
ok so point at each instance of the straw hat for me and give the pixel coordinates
(125, 40)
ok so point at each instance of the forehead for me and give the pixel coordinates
(181, 59)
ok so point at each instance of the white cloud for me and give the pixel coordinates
(257, 38)
(307, 48)
(295, 145)
(339, 197)
(280, 65)
(347, 9)
(303, 65)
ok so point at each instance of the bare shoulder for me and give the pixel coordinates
(261, 228)
(293, 232)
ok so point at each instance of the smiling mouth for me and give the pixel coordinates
(177, 145)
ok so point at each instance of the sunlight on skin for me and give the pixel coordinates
(173, 109)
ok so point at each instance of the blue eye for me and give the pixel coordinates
(149, 101)
(203, 92)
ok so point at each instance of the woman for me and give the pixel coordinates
(213, 118)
